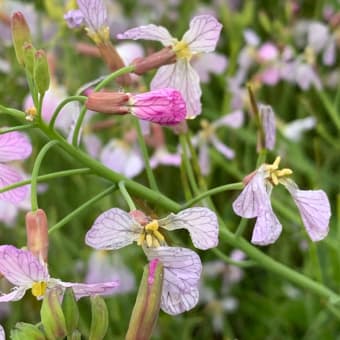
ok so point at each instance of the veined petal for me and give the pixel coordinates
(203, 33)
(14, 146)
(314, 209)
(182, 270)
(94, 12)
(83, 289)
(183, 77)
(222, 148)
(113, 229)
(148, 32)
(8, 176)
(253, 196)
(15, 295)
(269, 126)
(200, 222)
(20, 267)
(234, 119)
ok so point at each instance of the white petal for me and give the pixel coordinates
(113, 229)
(203, 33)
(148, 32)
(183, 77)
(14, 295)
(201, 223)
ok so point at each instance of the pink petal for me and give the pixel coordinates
(234, 119)
(163, 157)
(14, 146)
(8, 176)
(269, 125)
(183, 77)
(113, 229)
(182, 270)
(203, 34)
(20, 267)
(222, 148)
(14, 295)
(270, 76)
(268, 52)
(148, 32)
(200, 222)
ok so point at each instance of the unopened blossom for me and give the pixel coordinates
(116, 228)
(254, 201)
(25, 271)
(13, 146)
(164, 106)
(201, 37)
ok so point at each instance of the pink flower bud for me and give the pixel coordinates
(108, 102)
(139, 217)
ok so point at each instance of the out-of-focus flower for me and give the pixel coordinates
(13, 146)
(74, 18)
(202, 37)
(268, 122)
(254, 201)
(116, 228)
(294, 130)
(25, 271)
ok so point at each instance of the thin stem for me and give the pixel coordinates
(44, 178)
(40, 103)
(13, 112)
(35, 172)
(81, 208)
(241, 227)
(17, 128)
(126, 196)
(142, 145)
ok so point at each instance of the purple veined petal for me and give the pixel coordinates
(14, 146)
(200, 222)
(234, 119)
(21, 267)
(95, 13)
(83, 289)
(113, 229)
(203, 34)
(182, 271)
(203, 157)
(15, 295)
(314, 209)
(269, 125)
(222, 148)
(148, 32)
(183, 77)
(248, 203)
(267, 228)
(8, 176)
(74, 18)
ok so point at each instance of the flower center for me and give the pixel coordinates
(100, 36)
(151, 236)
(39, 288)
(182, 50)
(207, 129)
(274, 174)
(31, 113)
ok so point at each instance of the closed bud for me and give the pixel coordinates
(41, 72)
(37, 233)
(20, 35)
(28, 53)
(52, 316)
(24, 330)
(70, 310)
(146, 309)
(108, 102)
(100, 319)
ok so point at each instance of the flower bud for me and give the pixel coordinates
(37, 233)
(52, 316)
(41, 72)
(20, 35)
(146, 309)
(28, 53)
(108, 102)
(100, 319)
(70, 310)
(24, 330)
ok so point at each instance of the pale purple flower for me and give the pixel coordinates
(25, 271)
(294, 130)
(116, 228)
(162, 156)
(268, 52)
(13, 146)
(201, 37)
(254, 201)
(268, 122)
(74, 18)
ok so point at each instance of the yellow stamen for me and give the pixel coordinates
(149, 240)
(158, 235)
(182, 50)
(31, 113)
(155, 243)
(274, 174)
(152, 226)
(141, 239)
(39, 288)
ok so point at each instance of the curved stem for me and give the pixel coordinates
(241, 227)
(35, 172)
(17, 128)
(126, 196)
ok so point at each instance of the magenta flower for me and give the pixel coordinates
(254, 201)
(201, 37)
(25, 271)
(116, 228)
(13, 146)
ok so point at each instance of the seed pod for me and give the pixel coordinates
(41, 72)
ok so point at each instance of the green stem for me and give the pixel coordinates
(81, 208)
(142, 145)
(17, 128)
(126, 196)
(35, 172)
(331, 110)
(48, 177)
(13, 112)
(241, 227)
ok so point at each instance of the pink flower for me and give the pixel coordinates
(25, 271)
(254, 201)
(201, 37)
(13, 146)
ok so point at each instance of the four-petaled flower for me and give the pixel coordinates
(254, 201)
(201, 37)
(116, 228)
(25, 271)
